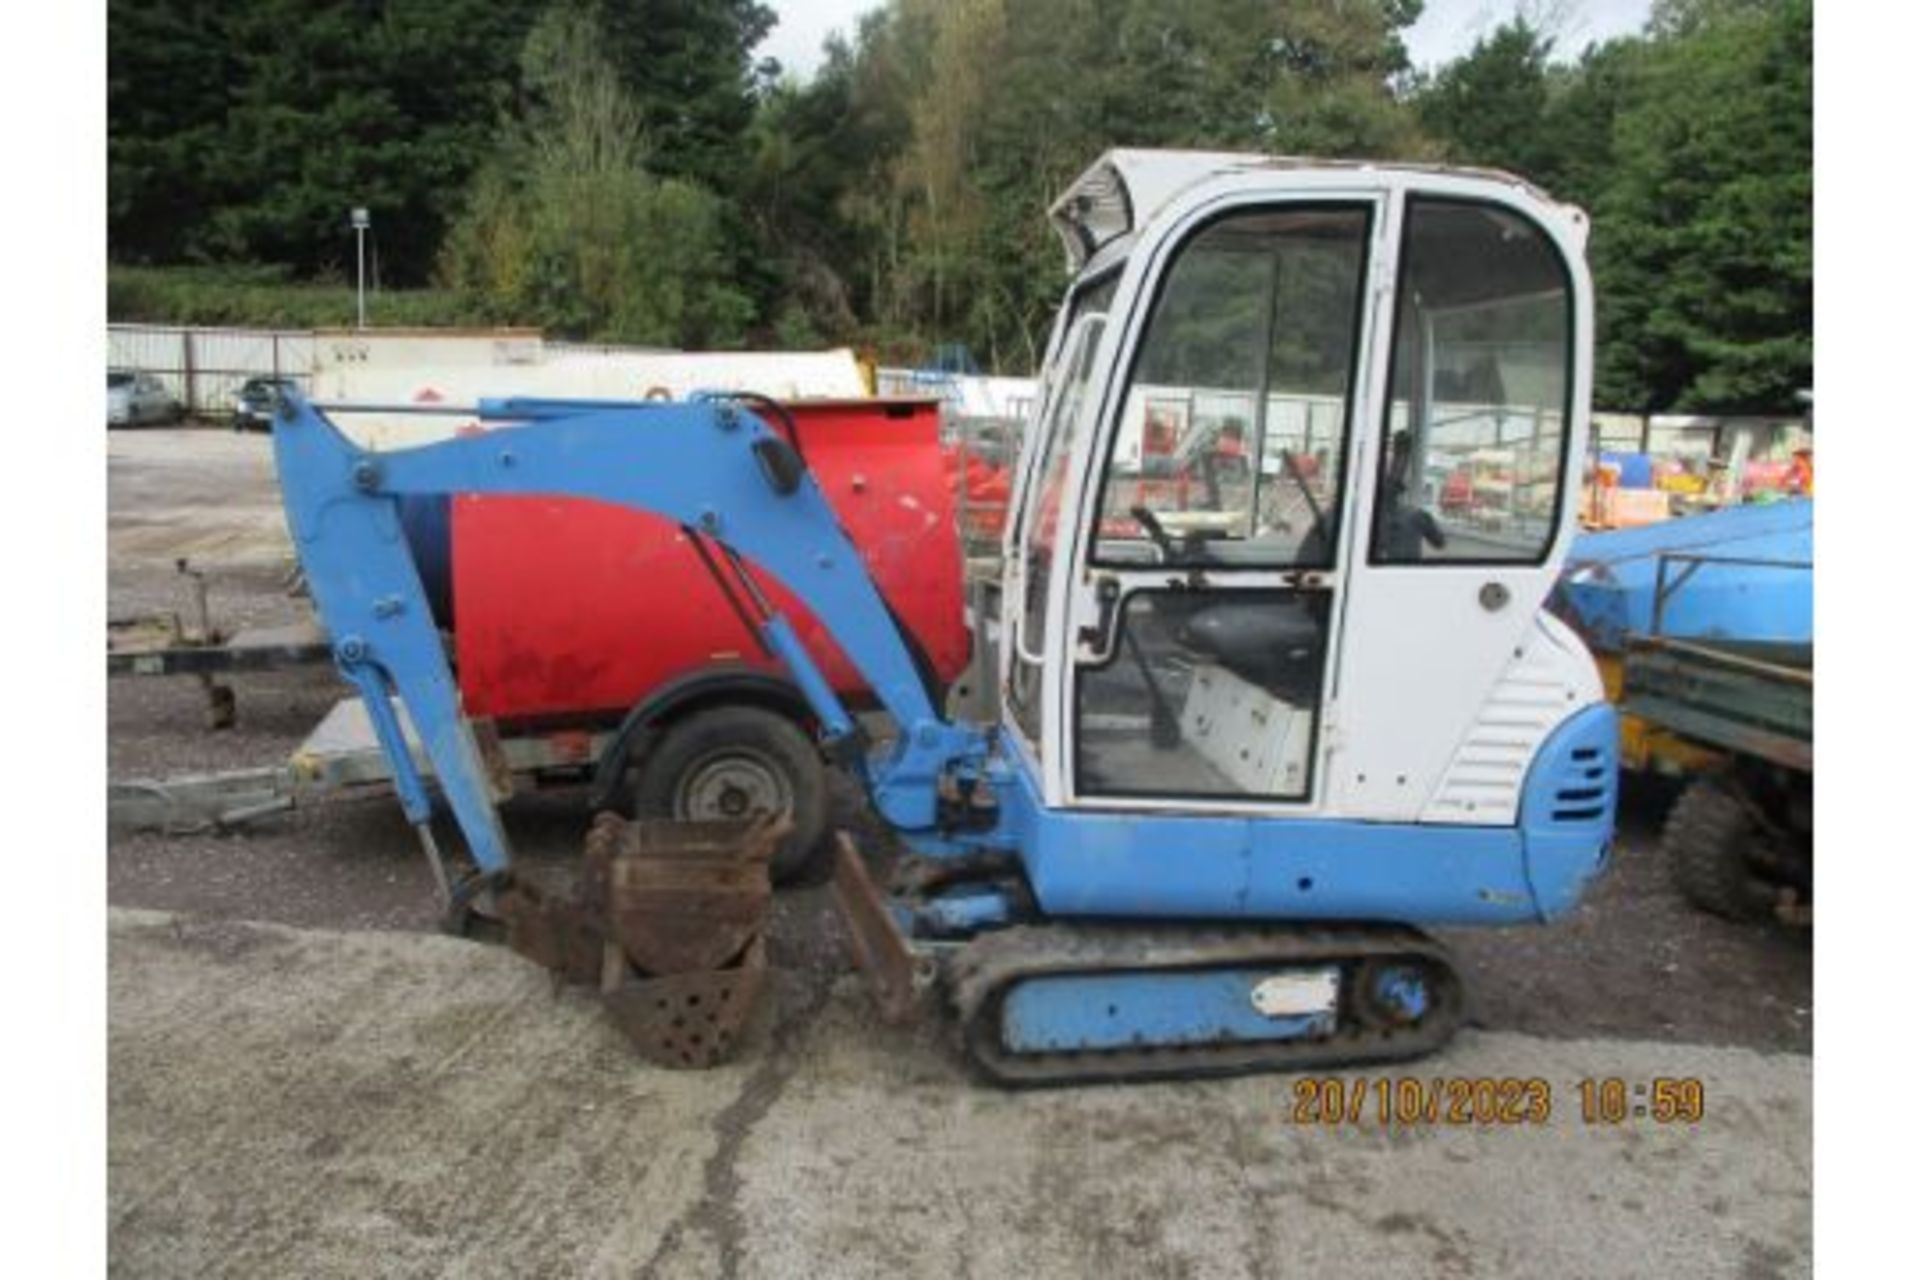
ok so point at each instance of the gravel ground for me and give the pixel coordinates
(363, 1103)
(1633, 960)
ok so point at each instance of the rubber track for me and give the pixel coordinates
(981, 975)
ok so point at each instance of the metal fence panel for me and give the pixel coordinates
(205, 367)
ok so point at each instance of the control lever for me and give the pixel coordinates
(1150, 523)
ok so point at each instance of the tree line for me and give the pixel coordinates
(632, 171)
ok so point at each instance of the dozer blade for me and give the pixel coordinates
(879, 948)
(667, 920)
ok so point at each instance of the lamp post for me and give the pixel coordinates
(360, 223)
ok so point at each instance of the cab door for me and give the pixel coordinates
(1205, 613)
(1040, 534)
(1447, 664)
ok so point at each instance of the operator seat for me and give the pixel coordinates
(1275, 644)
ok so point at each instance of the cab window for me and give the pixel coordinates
(1476, 418)
(1069, 383)
(1232, 435)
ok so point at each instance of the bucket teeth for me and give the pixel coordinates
(668, 920)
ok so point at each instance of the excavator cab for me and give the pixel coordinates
(1278, 684)
(1297, 628)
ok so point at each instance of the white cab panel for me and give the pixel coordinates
(1552, 677)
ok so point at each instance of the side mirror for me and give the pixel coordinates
(779, 464)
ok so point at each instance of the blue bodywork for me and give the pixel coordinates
(1607, 588)
(1117, 1011)
(704, 465)
(1161, 865)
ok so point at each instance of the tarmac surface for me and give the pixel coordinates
(358, 1095)
(331, 1103)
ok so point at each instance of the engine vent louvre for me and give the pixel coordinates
(1585, 786)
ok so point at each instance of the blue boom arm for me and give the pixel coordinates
(710, 466)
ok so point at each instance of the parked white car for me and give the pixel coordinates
(135, 398)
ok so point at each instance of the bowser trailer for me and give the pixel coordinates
(664, 699)
(705, 724)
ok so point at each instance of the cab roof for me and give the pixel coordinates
(1126, 187)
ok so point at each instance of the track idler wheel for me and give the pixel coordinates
(668, 921)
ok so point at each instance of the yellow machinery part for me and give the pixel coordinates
(1646, 746)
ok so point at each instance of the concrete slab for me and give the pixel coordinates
(202, 494)
(369, 1103)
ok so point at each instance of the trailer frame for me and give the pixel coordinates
(1739, 841)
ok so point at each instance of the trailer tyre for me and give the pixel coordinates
(1708, 841)
(728, 763)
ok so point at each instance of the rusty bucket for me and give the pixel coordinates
(668, 921)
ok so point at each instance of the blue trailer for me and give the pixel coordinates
(1710, 620)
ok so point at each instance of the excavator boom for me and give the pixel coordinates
(735, 487)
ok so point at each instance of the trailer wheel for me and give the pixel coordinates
(1709, 842)
(728, 763)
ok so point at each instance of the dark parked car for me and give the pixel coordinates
(253, 407)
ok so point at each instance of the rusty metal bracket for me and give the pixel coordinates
(881, 951)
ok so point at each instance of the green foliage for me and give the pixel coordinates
(255, 296)
(1491, 105)
(1704, 235)
(1692, 147)
(816, 165)
(979, 111)
(1583, 103)
(568, 229)
(244, 130)
(687, 67)
(625, 170)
